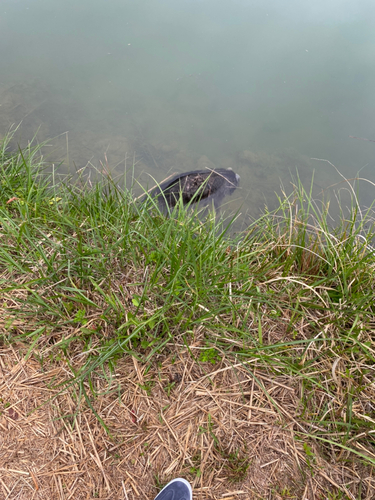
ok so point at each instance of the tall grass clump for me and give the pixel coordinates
(89, 276)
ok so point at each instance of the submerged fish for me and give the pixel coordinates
(196, 186)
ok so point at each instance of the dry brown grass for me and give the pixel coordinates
(232, 435)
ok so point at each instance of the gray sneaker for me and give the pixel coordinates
(177, 489)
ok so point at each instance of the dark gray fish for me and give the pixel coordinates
(196, 186)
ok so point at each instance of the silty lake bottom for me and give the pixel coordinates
(76, 142)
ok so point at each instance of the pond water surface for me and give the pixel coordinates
(260, 86)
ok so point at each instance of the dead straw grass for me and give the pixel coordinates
(213, 424)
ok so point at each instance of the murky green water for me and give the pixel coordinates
(258, 86)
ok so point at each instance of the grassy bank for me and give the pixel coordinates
(254, 351)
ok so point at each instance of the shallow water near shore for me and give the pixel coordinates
(176, 87)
